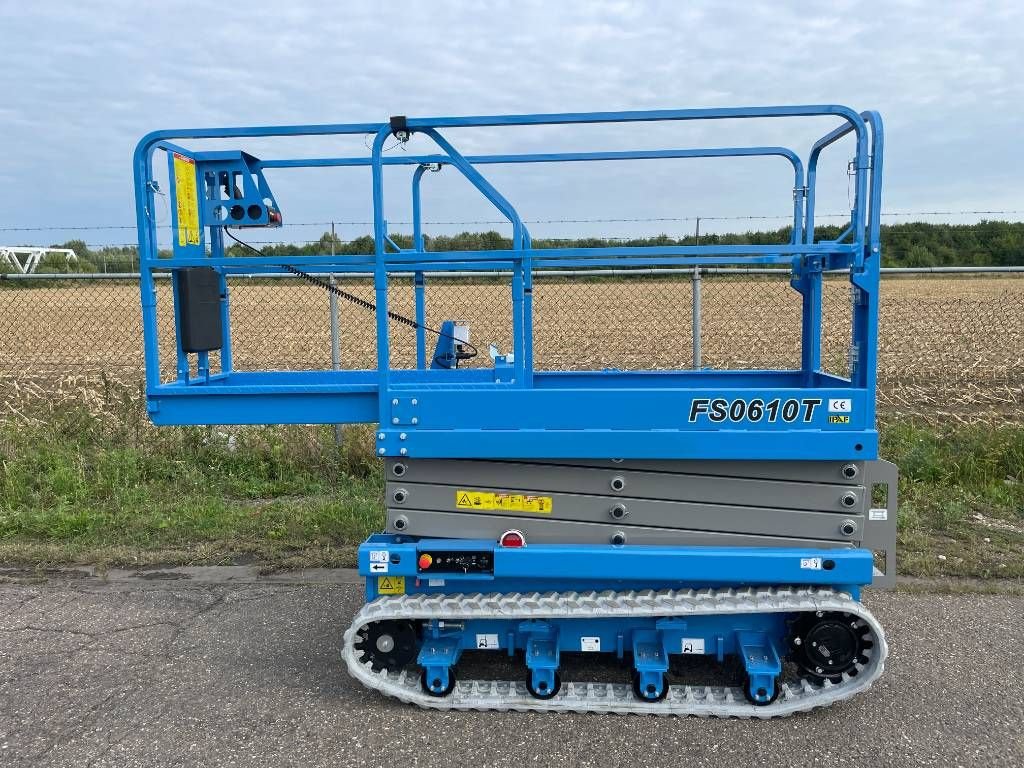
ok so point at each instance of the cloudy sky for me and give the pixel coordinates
(80, 82)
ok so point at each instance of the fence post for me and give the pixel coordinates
(335, 337)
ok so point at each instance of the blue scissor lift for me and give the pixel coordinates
(649, 515)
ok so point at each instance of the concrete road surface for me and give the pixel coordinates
(219, 669)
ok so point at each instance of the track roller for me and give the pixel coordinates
(542, 689)
(649, 691)
(761, 696)
(437, 683)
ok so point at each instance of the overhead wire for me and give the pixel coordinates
(359, 301)
(633, 220)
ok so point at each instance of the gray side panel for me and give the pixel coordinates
(708, 489)
(457, 525)
(643, 512)
(880, 532)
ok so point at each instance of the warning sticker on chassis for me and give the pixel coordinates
(502, 502)
(754, 410)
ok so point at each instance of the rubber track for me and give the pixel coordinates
(702, 701)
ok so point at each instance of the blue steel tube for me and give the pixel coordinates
(217, 249)
(380, 278)
(810, 282)
(147, 253)
(503, 205)
(799, 197)
(527, 309)
(419, 284)
(865, 329)
(181, 359)
(861, 166)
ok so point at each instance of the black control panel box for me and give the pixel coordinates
(456, 561)
(199, 309)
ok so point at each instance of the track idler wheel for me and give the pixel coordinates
(389, 644)
(827, 645)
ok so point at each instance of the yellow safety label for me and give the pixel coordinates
(838, 419)
(187, 199)
(391, 585)
(494, 501)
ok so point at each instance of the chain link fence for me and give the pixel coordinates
(951, 346)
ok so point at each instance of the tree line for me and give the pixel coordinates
(914, 244)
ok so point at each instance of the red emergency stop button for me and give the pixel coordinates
(425, 561)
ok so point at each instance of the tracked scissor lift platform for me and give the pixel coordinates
(643, 516)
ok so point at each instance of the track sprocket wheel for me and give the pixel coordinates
(388, 644)
(825, 645)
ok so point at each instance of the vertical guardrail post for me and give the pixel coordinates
(335, 336)
(697, 311)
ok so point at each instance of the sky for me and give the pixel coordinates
(80, 83)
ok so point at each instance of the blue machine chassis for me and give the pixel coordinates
(760, 641)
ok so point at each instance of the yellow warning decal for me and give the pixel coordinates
(391, 585)
(838, 419)
(187, 199)
(493, 501)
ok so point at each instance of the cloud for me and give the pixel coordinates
(81, 82)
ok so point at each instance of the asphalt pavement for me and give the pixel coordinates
(220, 668)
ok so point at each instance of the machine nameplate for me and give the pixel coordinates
(719, 409)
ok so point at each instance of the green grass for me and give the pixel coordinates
(97, 484)
(78, 487)
(961, 499)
